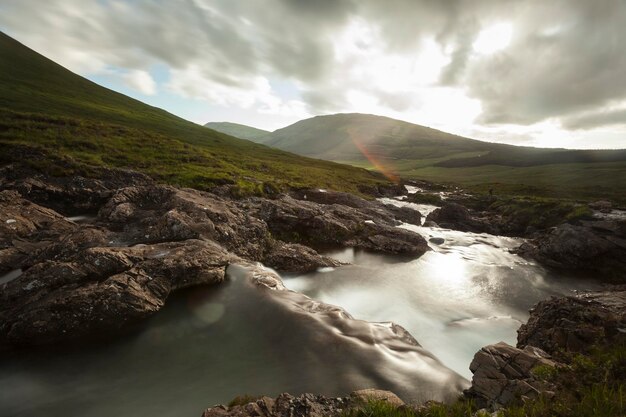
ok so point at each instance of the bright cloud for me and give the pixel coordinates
(518, 71)
(141, 81)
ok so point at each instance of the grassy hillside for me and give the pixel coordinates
(45, 106)
(239, 131)
(413, 151)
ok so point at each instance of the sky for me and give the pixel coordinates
(525, 72)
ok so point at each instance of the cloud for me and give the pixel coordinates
(566, 59)
(141, 81)
(596, 119)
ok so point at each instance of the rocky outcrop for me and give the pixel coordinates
(99, 291)
(576, 324)
(371, 208)
(334, 225)
(504, 375)
(593, 246)
(98, 277)
(73, 194)
(457, 217)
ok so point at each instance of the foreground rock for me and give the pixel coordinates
(576, 324)
(305, 405)
(99, 291)
(504, 375)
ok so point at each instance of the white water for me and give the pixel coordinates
(466, 293)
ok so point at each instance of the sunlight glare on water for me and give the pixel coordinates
(466, 293)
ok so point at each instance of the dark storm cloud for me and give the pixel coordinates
(565, 58)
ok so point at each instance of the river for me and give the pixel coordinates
(210, 344)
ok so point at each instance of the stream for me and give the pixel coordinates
(210, 344)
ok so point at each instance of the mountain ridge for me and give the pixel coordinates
(45, 107)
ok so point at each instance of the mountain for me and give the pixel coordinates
(47, 108)
(239, 131)
(413, 151)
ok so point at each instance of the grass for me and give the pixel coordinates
(47, 108)
(584, 181)
(592, 386)
(539, 213)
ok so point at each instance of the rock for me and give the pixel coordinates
(366, 395)
(285, 405)
(295, 258)
(321, 226)
(73, 194)
(503, 375)
(100, 291)
(457, 217)
(437, 240)
(405, 214)
(368, 207)
(576, 324)
(582, 248)
(33, 228)
(430, 223)
(602, 206)
(151, 214)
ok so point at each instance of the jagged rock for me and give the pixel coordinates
(26, 227)
(285, 405)
(596, 246)
(292, 257)
(334, 225)
(305, 405)
(576, 324)
(152, 214)
(503, 375)
(370, 208)
(99, 291)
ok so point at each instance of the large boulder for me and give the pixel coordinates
(503, 375)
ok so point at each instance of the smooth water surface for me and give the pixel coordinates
(209, 345)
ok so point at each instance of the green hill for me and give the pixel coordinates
(47, 107)
(239, 131)
(414, 151)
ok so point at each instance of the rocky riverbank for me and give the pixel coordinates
(84, 257)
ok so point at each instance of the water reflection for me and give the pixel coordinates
(467, 292)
